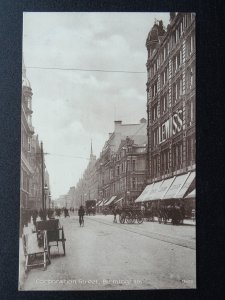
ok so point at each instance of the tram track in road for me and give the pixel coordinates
(153, 235)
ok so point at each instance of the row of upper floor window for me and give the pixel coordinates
(179, 86)
(119, 169)
(123, 184)
(163, 162)
(177, 59)
(174, 37)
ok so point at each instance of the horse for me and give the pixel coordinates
(116, 210)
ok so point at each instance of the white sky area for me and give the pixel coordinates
(73, 107)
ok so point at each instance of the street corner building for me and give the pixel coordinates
(171, 93)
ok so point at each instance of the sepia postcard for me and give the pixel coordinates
(107, 189)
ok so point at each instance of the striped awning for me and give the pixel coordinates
(145, 194)
(117, 201)
(192, 195)
(110, 200)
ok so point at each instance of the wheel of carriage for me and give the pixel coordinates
(129, 218)
(140, 218)
(133, 219)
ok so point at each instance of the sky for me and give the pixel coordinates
(71, 108)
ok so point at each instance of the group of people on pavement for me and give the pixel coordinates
(29, 215)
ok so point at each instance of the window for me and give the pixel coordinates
(190, 151)
(154, 112)
(165, 161)
(164, 76)
(155, 137)
(155, 165)
(164, 103)
(190, 77)
(181, 27)
(190, 45)
(190, 112)
(154, 89)
(118, 170)
(177, 156)
(177, 89)
(111, 174)
(134, 183)
(133, 165)
(177, 60)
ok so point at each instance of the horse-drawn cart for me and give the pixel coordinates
(130, 215)
(55, 233)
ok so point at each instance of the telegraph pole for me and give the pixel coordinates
(42, 179)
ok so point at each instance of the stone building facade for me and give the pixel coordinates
(27, 131)
(171, 97)
(86, 188)
(121, 168)
(30, 170)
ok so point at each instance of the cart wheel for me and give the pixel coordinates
(64, 248)
(140, 219)
(49, 257)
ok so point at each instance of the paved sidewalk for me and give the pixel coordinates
(22, 274)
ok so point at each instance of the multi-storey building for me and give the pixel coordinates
(87, 186)
(171, 98)
(31, 160)
(27, 131)
(35, 198)
(121, 167)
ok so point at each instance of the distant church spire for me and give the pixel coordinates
(92, 156)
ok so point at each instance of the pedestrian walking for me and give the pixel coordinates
(66, 213)
(115, 211)
(81, 215)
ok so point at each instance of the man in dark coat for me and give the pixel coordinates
(81, 215)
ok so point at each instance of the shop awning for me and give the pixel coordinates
(184, 188)
(164, 187)
(145, 194)
(176, 186)
(155, 190)
(103, 202)
(118, 200)
(99, 203)
(191, 195)
(110, 200)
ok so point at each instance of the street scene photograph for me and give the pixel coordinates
(108, 151)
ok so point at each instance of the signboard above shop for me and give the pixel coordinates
(171, 127)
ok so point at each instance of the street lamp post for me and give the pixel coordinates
(49, 199)
(45, 196)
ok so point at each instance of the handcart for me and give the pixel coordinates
(36, 251)
(55, 233)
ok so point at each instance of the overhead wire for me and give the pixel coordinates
(86, 70)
